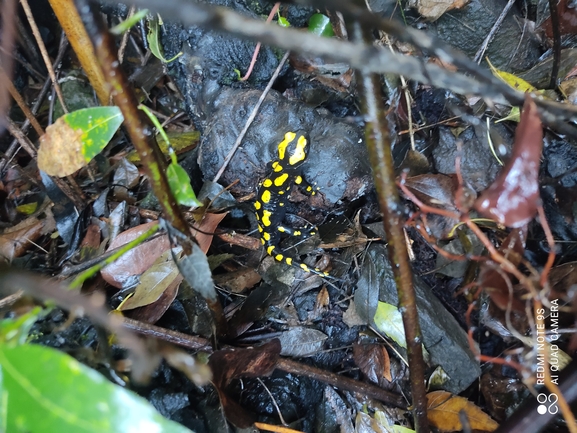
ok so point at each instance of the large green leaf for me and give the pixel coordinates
(180, 185)
(43, 390)
(75, 138)
(98, 125)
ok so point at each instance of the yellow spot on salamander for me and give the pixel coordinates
(297, 233)
(281, 179)
(278, 168)
(304, 267)
(298, 180)
(262, 241)
(265, 197)
(267, 183)
(266, 214)
(299, 154)
(288, 137)
(260, 229)
(309, 188)
(270, 249)
(281, 229)
(257, 205)
(279, 257)
(266, 236)
(289, 261)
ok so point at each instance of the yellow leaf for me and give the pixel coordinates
(27, 209)
(514, 115)
(443, 412)
(389, 321)
(512, 80)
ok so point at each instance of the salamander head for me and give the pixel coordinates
(293, 149)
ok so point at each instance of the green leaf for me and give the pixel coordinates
(154, 42)
(49, 392)
(320, 25)
(514, 115)
(98, 125)
(128, 23)
(282, 21)
(15, 331)
(389, 321)
(180, 185)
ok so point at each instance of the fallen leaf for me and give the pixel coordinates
(153, 282)
(151, 313)
(138, 259)
(389, 321)
(301, 342)
(513, 197)
(437, 190)
(75, 138)
(373, 360)
(433, 9)
(229, 364)
(512, 80)
(16, 240)
(443, 410)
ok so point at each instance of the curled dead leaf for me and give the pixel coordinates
(513, 197)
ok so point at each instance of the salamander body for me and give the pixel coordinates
(272, 195)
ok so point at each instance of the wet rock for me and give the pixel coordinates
(337, 160)
(514, 48)
(443, 338)
(478, 165)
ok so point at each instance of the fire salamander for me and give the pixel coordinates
(272, 193)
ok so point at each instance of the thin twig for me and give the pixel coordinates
(258, 44)
(125, 36)
(22, 138)
(14, 146)
(283, 422)
(6, 47)
(555, 27)
(20, 101)
(481, 51)
(250, 118)
(45, 56)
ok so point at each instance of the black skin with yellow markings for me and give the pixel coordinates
(273, 192)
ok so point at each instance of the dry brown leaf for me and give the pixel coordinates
(16, 240)
(443, 412)
(373, 360)
(238, 281)
(433, 9)
(208, 225)
(138, 259)
(60, 153)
